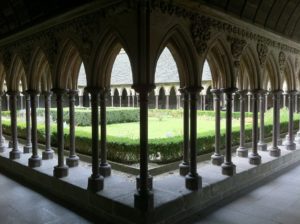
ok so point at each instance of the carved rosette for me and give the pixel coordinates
(281, 60)
(200, 30)
(237, 46)
(262, 51)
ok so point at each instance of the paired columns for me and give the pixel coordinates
(262, 108)
(28, 146)
(274, 149)
(184, 166)
(228, 168)
(289, 142)
(242, 151)
(15, 152)
(73, 159)
(217, 158)
(105, 168)
(48, 153)
(61, 170)
(193, 181)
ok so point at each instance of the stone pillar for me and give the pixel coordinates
(133, 101)
(249, 102)
(2, 139)
(184, 166)
(274, 149)
(128, 101)
(228, 168)
(279, 140)
(261, 144)
(34, 160)
(105, 168)
(266, 101)
(204, 102)
(156, 102)
(61, 170)
(242, 151)
(297, 138)
(217, 158)
(193, 181)
(233, 102)
(15, 152)
(73, 159)
(96, 181)
(120, 97)
(112, 101)
(48, 153)
(178, 105)
(289, 142)
(144, 196)
(296, 102)
(27, 147)
(167, 102)
(254, 157)
(200, 101)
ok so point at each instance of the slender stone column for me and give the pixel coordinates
(133, 100)
(274, 149)
(48, 153)
(289, 142)
(112, 101)
(228, 168)
(193, 181)
(200, 102)
(2, 139)
(217, 158)
(96, 181)
(242, 151)
(296, 102)
(34, 160)
(105, 168)
(120, 97)
(249, 102)
(266, 101)
(204, 102)
(178, 105)
(261, 144)
(156, 102)
(144, 197)
(128, 100)
(233, 102)
(297, 138)
(28, 146)
(73, 159)
(284, 94)
(184, 166)
(279, 140)
(61, 170)
(254, 157)
(15, 152)
(167, 102)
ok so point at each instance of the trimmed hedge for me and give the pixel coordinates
(83, 116)
(165, 150)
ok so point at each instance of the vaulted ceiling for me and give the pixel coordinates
(279, 16)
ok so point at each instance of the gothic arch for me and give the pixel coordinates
(184, 54)
(271, 73)
(16, 75)
(68, 64)
(221, 60)
(288, 75)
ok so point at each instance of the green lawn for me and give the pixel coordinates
(159, 128)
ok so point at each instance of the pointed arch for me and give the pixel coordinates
(288, 75)
(17, 75)
(271, 73)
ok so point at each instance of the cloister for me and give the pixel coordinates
(252, 60)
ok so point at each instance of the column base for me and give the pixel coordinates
(34, 162)
(262, 146)
(184, 168)
(228, 169)
(95, 184)
(217, 159)
(16, 154)
(242, 152)
(27, 149)
(60, 171)
(193, 182)
(72, 161)
(290, 146)
(48, 154)
(150, 182)
(105, 170)
(144, 201)
(275, 151)
(254, 159)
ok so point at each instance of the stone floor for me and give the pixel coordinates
(277, 201)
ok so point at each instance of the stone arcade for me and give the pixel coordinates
(42, 49)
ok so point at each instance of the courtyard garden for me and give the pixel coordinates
(165, 131)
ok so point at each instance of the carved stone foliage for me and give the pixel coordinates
(281, 60)
(200, 31)
(262, 51)
(237, 46)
